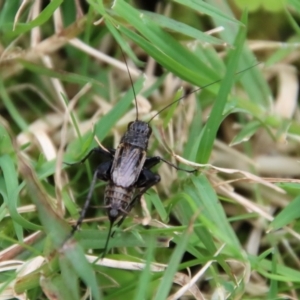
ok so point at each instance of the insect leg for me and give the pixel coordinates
(152, 161)
(102, 173)
(107, 154)
(146, 180)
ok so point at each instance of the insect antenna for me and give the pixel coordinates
(196, 90)
(136, 105)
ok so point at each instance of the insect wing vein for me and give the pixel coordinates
(128, 166)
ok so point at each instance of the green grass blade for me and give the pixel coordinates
(185, 212)
(184, 29)
(57, 288)
(216, 115)
(44, 16)
(69, 278)
(273, 292)
(62, 75)
(7, 14)
(210, 208)
(164, 43)
(288, 215)
(167, 279)
(11, 192)
(145, 278)
(158, 205)
(54, 225)
(76, 258)
(170, 63)
(206, 8)
(14, 112)
(125, 47)
(246, 132)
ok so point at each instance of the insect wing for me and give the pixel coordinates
(127, 165)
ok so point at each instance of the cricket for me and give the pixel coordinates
(127, 171)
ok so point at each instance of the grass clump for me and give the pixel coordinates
(229, 231)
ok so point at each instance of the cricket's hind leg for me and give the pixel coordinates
(152, 161)
(103, 173)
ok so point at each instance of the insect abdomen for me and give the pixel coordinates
(117, 200)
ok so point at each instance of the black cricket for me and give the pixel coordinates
(127, 171)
